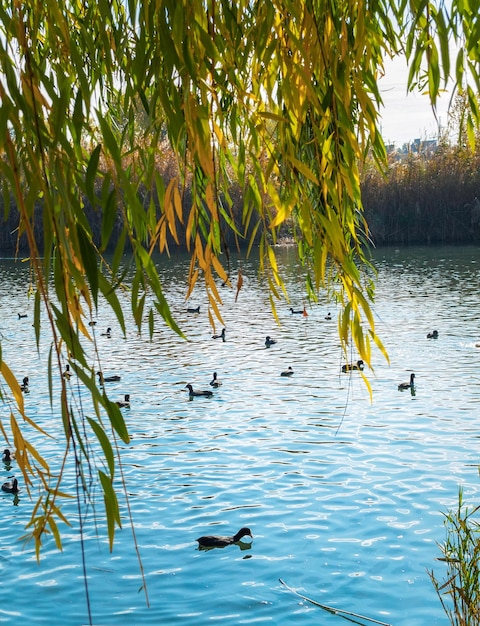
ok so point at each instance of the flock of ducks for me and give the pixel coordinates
(206, 542)
(270, 341)
(209, 542)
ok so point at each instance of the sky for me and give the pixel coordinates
(407, 117)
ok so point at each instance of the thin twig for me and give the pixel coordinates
(330, 609)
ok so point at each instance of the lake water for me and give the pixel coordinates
(345, 497)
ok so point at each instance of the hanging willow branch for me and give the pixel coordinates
(278, 99)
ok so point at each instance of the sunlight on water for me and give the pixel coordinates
(344, 497)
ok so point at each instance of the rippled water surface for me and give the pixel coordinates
(344, 496)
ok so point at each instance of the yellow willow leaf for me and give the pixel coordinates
(169, 209)
(56, 535)
(162, 237)
(273, 307)
(3, 431)
(32, 93)
(219, 134)
(273, 264)
(192, 283)
(379, 345)
(177, 203)
(303, 169)
(344, 323)
(169, 193)
(14, 386)
(199, 251)
(61, 494)
(207, 256)
(169, 213)
(190, 224)
(213, 304)
(239, 283)
(33, 452)
(218, 267)
(283, 214)
(211, 201)
(367, 385)
(272, 116)
(212, 285)
(60, 515)
(210, 319)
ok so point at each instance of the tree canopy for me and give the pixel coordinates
(279, 97)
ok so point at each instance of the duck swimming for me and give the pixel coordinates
(410, 385)
(328, 316)
(7, 456)
(269, 341)
(215, 382)
(11, 486)
(348, 367)
(107, 333)
(288, 372)
(219, 541)
(196, 310)
(433, 335)
(297, 312)
(125, 403)
(220, 336)
(67, 373)
(24, 385)
(107, 379)
(194, 394)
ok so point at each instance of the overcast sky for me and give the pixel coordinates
(407, 117)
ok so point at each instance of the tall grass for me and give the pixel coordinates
(459, 592)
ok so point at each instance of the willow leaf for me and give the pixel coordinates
(105, 443)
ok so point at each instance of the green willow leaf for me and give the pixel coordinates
(105, 443)
(89, 258)
(111, 506)
(116, 419)
(92, 173)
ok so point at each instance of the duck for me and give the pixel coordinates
(108, 379)
(348, 367)
(107, 333)
(288, 372)
(92, 323)
(269, 341)
(67, 373)
(220, 541)
(125, 403)
(194, 394)
(194, 310)
(215, 382)
(410, 385)
(24, 385)
(11, 486)
(328, 316)
(433, 335)
(297, 312)
(7, 456)
(220, 336)
(21, 316)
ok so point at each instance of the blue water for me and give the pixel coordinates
(345, 497)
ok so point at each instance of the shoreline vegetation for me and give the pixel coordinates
(424, 199)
